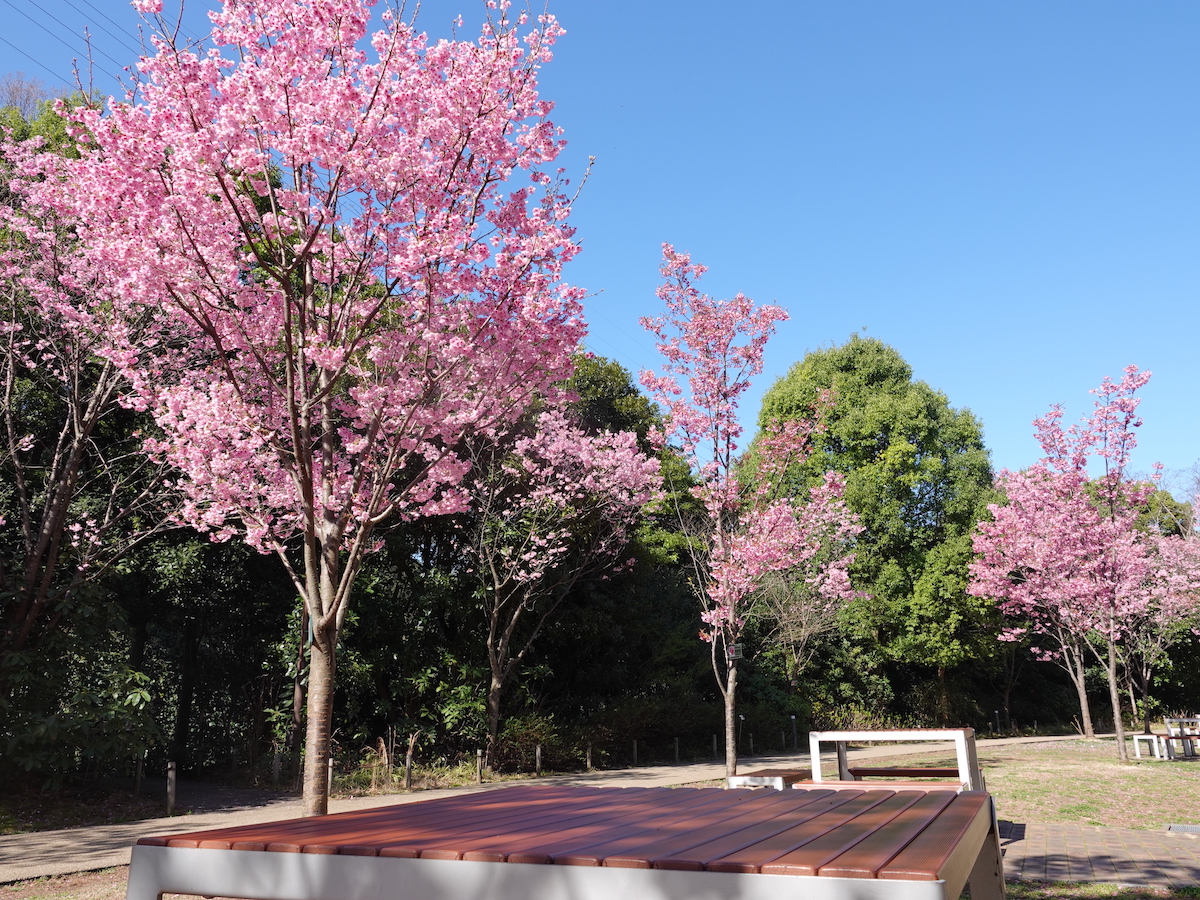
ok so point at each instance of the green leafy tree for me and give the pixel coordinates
(918, 476)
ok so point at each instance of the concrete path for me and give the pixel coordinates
(1035, 852)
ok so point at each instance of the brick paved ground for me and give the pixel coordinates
(1091, 853)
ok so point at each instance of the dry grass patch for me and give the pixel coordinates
(1081, 783)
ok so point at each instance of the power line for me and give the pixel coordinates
(115, 37)
(36, 62)
(42, 9)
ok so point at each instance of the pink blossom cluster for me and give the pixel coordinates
(1066, 557)
(311, 271)
(717, 347)
(563, 486)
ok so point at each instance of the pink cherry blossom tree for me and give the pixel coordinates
(1065, 551)
(754, 530)
(72, 500)
(1171, 613)
(551, 508)
(321, 280)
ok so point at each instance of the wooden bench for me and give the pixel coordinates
(967, 772)
(580, 843)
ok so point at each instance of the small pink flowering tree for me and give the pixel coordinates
(552, 508)
(753, 531)
(320, 283)
(1171, 613)
(1065, 552)
(75, 492)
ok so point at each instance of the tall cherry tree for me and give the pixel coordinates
(1066, 552)
(753, 530)
(321, 280)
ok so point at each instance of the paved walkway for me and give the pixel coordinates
(1031, 852)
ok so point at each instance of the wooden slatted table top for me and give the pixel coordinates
(867, 832)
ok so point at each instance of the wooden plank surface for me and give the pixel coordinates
(847, 829)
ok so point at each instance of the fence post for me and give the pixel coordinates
(714, 746)
(752, 743)
(795, 743)
(537, 761)
(479, 767)
(589, 756)
(635, 754)
(171, 768)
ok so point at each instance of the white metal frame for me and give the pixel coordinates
(263, 875)
(1152, 739)
(1183, 729)
(964, 744)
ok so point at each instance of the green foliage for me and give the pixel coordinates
(918, 477)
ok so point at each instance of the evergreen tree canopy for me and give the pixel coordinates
(918, 476)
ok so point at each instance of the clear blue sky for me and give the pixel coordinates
(1008, 193)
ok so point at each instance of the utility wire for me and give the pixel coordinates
(115, 37)
(36, 62)
(37, 6)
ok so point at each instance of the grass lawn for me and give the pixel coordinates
(1081, 783)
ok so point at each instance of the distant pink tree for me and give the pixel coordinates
(320, 285)
(1065, 552)
(553, 507)
(1171, 613)
(753, 530)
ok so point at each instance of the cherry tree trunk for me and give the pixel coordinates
(1076, 671)
(1114, 693)
(495, 693)
(730, 692)
(320, 720)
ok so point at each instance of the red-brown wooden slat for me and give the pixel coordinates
(448, 820)
(806, 860)
(928, 854)
(448, 827)
(752, 858)
(550, 846)
(611, 803)
(757, 807)
(877, 785)
(717, 842)
(293, 826)
(673, 804)
(299, 831)
(902, 772)
(869, 855)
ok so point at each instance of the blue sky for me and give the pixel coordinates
(1008, 193)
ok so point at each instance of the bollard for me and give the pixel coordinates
(635, 754)
(171, 789)
(676, 751)
(782, 740)
(329, 778)
(537, 764)
(752, 743)
(589, 756)
(714, 746)
(795, 743)
(479, 767)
